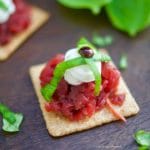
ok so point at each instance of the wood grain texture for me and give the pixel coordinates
(61, 33)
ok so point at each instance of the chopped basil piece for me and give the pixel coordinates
(7, 113)
(143, 138)
(3, 5)
(13, 127)
(108, 40)
(11, 120)
(123, 64)
(102, 41)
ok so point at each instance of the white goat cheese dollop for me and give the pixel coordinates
(80, 74)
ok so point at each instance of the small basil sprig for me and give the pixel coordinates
(143, 139)
(102, 41)
(3, 5)
(48, 90)
(123, 63)
(11, 120)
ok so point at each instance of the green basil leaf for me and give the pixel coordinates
(12, 127)
(94, 5)
(9, 116)
(143, 148)
(123, 64)
(7, 113)
(11, 120)
(102, 41)
(96, 74)
(130, 16)
(3, 5)
(143, 138)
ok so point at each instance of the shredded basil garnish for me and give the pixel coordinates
(96, 74)
(123, 64)
(48, 90)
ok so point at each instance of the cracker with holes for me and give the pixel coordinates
(20, 22)
(81, 90)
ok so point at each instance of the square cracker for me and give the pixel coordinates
(38, 18)
(59, 126)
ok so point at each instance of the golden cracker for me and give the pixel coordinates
(59, 126)
(38, 18)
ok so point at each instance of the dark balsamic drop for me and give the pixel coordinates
(86, 52)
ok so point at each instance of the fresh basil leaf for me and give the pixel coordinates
(143, 138)
(3, 5)
(9, 116)
(143, 148)
(123, 64)
(7, 113)
(12, 127)
(94, 5)
(130, 16)
(96, 74)
(102, 41)
(11, 120)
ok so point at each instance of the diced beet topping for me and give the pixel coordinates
(17, 22)
(47, 72)
(79, 102)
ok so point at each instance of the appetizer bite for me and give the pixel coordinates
(80, 90)
(18, 20)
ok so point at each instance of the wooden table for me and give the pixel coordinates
(62, 31)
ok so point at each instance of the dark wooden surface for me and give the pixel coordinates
(59, 34)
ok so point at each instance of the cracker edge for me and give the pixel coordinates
(17, 40)
(53, 121)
